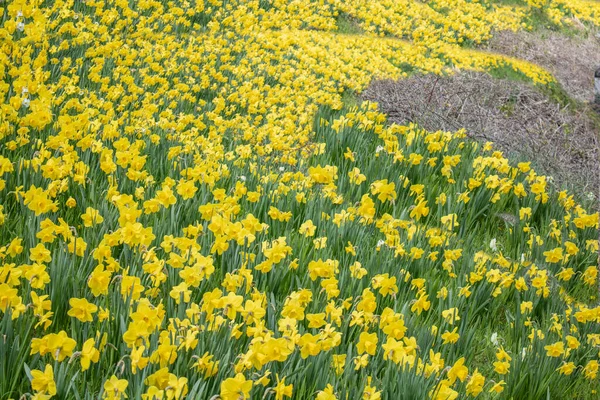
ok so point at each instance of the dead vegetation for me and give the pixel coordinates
(523, 122)
(571, 59)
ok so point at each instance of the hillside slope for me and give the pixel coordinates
(193, 205)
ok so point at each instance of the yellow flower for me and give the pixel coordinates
(419, 210)
(361, 362)
(59, 345)
(39, 254)
(82, 309)
(177, 387)
(326, 394)
(450, 336)
(181, 293)
(43, 382)
(91, 217)
(282, 390)
(367, 343)
(307, 228)
(475, 384)
(338, 362)
(138, 361)
(385, 191)
(450, 221)
(571, 248)
(498, 387)
(526, 306)
(320, 243)
(444, 391)
(370, 392)
(451, 315)
(572, 342)
(591, 369)
(441, 199)
(356, 177)
(502, 367)
(38, 201)
(524, 167)
(166, 197)
(524, 212)
(349, 154)
(89, 354)
(253, 197)
(555, 350)
(555, 255)
(590, 275)
(357, 271)
(114, 388)
(458, 370)
(8, 297)
(99, 280)
(567, 368)
(263, 380)
(207, 365)
(324, 175)
(421, 304)
(278, 215)
(186, 189)
(237, 388)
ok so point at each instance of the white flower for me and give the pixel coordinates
(522, 257)
(380, 243)
(281, 169)
(523, 352)
(20, 26)
(493, 244)
(24, 90)
(19, 13)
(378, 149)
(494, 338)
(591, 196)
(242, 178)
(25, 102)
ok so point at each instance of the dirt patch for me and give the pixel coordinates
(522, 121)
(571, 59)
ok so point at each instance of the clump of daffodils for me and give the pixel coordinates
(190, 207)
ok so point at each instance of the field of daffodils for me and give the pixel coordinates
(194, 204)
